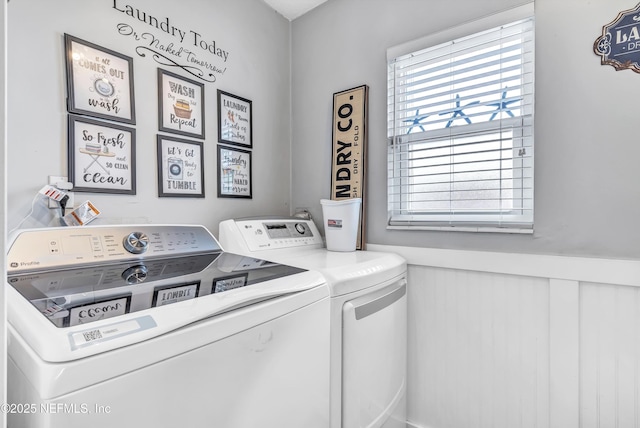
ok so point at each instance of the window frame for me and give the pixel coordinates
(485, 221)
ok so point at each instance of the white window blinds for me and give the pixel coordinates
(460, 128)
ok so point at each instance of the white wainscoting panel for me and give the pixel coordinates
(564, 353)
(609, 356)
(478, 349)
(501, 340)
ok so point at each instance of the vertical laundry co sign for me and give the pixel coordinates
(619, 44)
(349, 148)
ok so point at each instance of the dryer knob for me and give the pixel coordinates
(136, 243)
(301, 228)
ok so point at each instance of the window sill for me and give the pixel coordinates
(472, 229)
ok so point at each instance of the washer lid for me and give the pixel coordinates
(79, 322)
(279, 240)
(72, 312)
(85, 295)
(346, 272)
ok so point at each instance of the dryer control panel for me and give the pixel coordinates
(269, 234)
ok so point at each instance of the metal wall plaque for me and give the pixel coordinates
(619, 44)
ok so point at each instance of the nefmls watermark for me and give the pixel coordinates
(54, 407)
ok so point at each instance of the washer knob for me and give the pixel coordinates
(135, 274)
(136, 242)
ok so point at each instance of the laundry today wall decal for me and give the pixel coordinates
(619, 44)
(173, 46)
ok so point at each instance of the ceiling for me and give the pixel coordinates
(291, 9)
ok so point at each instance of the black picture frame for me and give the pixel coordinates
(234, 173)
(101, 156)
(180, 105)
(235, 120)
(99, 81)
(180, 167)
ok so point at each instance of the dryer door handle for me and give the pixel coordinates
(375, 302)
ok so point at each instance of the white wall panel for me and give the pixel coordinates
(553, 347)
(609, 356)
(564, 353)
(478, 349)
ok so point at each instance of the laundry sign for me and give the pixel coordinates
(619, 44)
(180, 167)
(101, 156)
(349, 148)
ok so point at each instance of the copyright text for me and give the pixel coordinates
(52, 408)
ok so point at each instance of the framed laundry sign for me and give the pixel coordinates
(234, 173)
(349, 149)
(180, 105)
(99, 81)
(234, 120)
(102, 156)
(180, 168)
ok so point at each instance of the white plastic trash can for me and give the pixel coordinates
(341, 220)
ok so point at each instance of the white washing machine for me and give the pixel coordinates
(155, 326)
(368, 315)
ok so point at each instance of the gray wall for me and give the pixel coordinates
(258, 68)
(587, 196)
(587, 182)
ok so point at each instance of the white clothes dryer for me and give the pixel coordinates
(156, 326)
(368, 315)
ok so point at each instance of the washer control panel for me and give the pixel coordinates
(269, 234)
(55, 248)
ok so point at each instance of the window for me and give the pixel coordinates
(460, 128)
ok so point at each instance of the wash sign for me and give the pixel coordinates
(619, 45)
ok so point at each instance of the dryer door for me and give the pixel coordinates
(374, 345)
